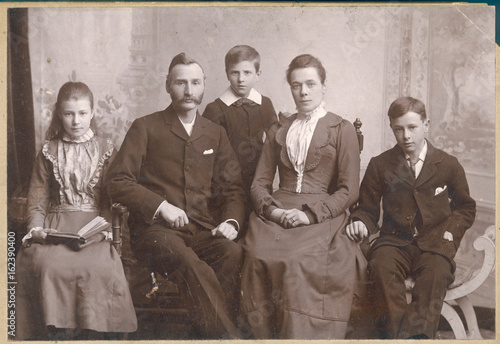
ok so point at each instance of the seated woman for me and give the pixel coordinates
(299, 270)
(66, 291)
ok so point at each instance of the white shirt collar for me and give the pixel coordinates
(188, 126)
(228, 97)
(422, 154)
(84, 138)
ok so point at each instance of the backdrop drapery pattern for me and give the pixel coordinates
(444, 55)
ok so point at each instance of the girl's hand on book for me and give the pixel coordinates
(40, 234)
(77, 245)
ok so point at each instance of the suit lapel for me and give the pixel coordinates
(198, 128)
(402, 169)
(400, 165)
(175, 124)
(429, 169)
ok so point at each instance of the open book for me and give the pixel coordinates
(96, 225)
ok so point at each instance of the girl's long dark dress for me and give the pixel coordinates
(57, 286)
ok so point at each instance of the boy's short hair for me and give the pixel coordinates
(403, 105)
(242, 53)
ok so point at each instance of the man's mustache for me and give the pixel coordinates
(197, 100)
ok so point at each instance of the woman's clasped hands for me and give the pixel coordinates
(289, 218)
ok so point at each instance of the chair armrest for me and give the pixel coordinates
(117, 214)
(486, 243)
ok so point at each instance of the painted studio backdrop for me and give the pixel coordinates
(443, 55)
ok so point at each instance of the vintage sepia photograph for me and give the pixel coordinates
(196, 171)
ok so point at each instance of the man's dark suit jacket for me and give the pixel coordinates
(389, 178)
(158, 161)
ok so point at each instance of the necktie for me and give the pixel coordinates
(416, 224)
(412, 168)
(244, 101)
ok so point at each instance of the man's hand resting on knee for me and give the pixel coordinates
(175, 217)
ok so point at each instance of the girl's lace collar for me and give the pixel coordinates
(84, 138)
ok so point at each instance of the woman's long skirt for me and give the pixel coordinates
(297, 283)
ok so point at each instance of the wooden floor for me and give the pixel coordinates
(486, 334)
(485, 320)
(170, 327)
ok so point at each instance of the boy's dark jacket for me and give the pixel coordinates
(389, 178)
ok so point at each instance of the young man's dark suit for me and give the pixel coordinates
(159, 161)
(428, 257)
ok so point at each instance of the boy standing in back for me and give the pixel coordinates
(242, 111)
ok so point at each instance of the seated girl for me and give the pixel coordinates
(66, 291)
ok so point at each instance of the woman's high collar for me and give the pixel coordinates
(319, 112)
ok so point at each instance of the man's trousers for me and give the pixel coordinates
(207, 268)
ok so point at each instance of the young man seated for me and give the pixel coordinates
(426, 211)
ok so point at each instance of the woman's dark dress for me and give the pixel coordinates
(298, 282)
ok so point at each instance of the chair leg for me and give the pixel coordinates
(154, 286)
(454, 320)
(470, 317)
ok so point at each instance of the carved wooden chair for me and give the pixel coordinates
(469, 276)
(467, 280)
(157, 299)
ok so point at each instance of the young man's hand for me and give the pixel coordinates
(225, 229)
(357, 231)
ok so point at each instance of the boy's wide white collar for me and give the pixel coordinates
(228, 97)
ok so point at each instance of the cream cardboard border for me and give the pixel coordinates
(3, 136)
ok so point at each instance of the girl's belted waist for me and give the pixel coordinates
(66, 208)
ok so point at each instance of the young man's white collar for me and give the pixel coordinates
(228, 97)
